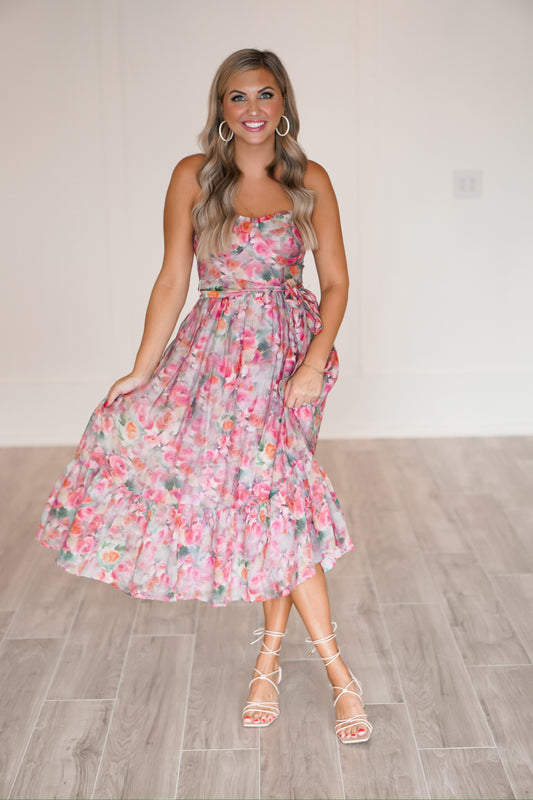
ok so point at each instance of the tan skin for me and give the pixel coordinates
(254, 95)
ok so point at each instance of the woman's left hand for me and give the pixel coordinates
(303, 387)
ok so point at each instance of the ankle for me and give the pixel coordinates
(338, 673)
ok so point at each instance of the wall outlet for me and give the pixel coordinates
(467, 183)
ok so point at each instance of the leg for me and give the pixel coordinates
(312, 603)
(277, 613)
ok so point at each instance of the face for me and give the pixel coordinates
(252, 105)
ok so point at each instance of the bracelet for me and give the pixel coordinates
(305, 364)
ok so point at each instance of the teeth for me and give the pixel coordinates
(254, 124)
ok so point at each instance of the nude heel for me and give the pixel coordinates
(359, 719)
(259, 705)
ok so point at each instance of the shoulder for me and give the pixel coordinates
(187, 168)
(316, 178)
(184, 180)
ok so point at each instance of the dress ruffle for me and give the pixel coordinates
(158, 549)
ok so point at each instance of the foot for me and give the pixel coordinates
(348, 705)
(262, 691)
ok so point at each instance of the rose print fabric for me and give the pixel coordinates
(202, 483)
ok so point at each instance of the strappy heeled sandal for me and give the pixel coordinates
(360, 719)
(263, 706)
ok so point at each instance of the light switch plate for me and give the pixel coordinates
(467, 183)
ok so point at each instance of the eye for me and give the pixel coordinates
(236, 97)
(267, 94)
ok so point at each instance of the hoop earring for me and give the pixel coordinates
(230, 137)
(288, 126)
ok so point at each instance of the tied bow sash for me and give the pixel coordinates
(303, 300)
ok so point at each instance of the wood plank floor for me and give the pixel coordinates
(103, 696)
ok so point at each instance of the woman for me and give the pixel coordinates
(196, 477)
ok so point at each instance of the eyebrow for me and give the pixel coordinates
(239, 91)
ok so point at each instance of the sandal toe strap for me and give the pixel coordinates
(343, 724)
(256, 705)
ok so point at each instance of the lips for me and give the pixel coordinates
(254, 125)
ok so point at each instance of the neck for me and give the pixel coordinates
(252, 160)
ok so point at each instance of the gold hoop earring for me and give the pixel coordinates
(230, 137)
(288, 126)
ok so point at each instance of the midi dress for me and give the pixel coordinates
(202, 484)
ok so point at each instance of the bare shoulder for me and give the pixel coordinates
(184, 181)
(318, 181)
(316, 178)
(186, 169)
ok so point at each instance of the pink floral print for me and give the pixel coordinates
(202, 483)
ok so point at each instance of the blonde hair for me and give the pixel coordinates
(214, 213)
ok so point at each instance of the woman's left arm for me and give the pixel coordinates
(305, 385)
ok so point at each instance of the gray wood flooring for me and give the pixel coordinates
(103, 696)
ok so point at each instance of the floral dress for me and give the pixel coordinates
(202, 483)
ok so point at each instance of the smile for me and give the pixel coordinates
(254, 126)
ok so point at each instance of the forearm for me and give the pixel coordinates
(163, 310)
(333, 302)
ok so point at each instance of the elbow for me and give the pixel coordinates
(340, 286)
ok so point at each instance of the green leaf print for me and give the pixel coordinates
(301, 524)
(60, 512)
(265, 349)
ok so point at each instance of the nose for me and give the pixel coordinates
(253, 106)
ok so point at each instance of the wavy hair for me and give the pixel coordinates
(214, 213)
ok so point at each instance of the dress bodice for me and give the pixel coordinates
(266, 252)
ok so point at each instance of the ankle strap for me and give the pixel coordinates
(260, 632)
(326, 659)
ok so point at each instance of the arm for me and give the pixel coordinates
(170, 289)
(330, 259)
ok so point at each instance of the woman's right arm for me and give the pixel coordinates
(171, 286)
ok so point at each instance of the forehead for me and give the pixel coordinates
(251, 80)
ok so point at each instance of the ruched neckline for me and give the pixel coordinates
(267, 216)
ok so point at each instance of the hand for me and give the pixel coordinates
(124, 385)
(303, 387)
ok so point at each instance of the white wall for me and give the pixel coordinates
(102, 97)
(445, 330)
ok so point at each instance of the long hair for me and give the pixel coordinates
(214, 213)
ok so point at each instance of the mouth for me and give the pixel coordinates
(254, 125)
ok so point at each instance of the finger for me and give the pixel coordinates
(287, 393)
(111, 397)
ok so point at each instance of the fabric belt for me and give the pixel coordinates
(302, 301)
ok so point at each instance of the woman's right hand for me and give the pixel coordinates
(124, 385)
